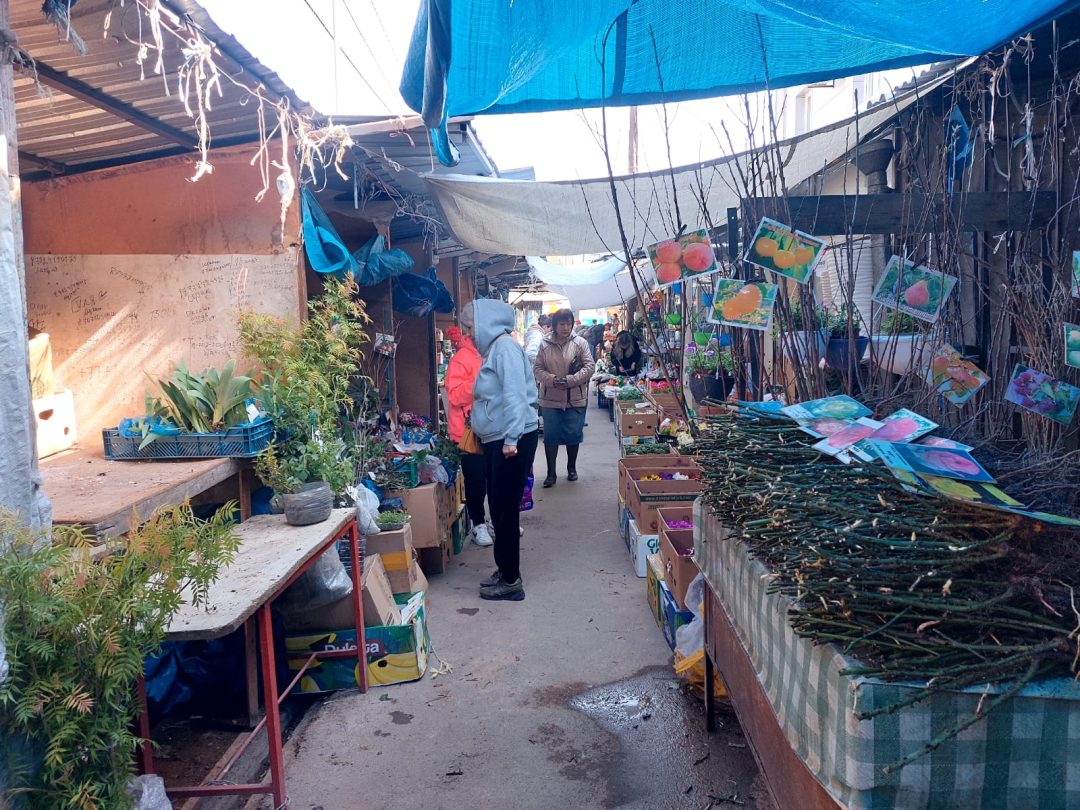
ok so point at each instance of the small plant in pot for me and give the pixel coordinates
(392, 520)
(711, 372)
(300, 491)
(805, 343)
(846, 345)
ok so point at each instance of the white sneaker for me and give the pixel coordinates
(481, 536)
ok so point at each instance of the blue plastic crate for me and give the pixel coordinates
(242, 441)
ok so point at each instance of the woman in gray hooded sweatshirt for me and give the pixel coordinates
(504, 418)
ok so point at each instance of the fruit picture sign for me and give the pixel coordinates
(953, 377)
(1074, 278)
(1072, 345)
(748, 304)
(678, 259)
(779, 249)
(1042, 394)
(939, 461)
(914, 290)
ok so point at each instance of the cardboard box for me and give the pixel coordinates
(641, 546)
(636, 466)
(427, 505)
(677, 553)
(398, 557)
(654, 575)
(648, 496)
(395, 654)
(639, 422)
(673, 617)
(434, 560)
(55, 416)
(380, 609)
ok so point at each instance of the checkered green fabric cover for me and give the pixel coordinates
(1025, 755)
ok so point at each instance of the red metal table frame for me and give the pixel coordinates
(272, 698)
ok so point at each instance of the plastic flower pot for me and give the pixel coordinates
(837, 354)
(898, 353)
(312, 503)
(708, 386)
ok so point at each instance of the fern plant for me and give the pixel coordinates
(308, 372)
(77, 632)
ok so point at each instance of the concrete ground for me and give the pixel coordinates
(564, 700)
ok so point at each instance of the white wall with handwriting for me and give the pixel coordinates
(117, 322)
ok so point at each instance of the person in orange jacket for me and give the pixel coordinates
(460, 375)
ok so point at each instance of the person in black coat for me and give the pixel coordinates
(626, 356)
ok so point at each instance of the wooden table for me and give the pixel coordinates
(88, 490)
(271, 557)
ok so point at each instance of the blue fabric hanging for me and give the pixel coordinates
(370, 264)
(489, 56)
(420, 295)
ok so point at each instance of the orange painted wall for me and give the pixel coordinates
(147, 211)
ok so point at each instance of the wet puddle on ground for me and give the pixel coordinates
(666, 757)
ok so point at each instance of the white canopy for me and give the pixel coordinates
(529, 218)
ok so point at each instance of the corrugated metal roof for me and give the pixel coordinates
(103, 108)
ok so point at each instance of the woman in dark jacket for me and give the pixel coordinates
(626, 355)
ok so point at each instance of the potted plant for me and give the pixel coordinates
(805, 344)
(843, 325)
(392, 520)
(306, 386)
(898, 344)
(711, 372)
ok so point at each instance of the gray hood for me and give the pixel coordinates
(491, 319)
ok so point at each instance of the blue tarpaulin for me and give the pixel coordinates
(493, 56)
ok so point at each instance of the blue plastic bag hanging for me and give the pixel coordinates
(420, 295)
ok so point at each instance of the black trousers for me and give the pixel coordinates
(474, 471)
(506, 483)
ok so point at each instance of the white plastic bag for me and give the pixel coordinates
(148, 791)
(367, 505)
(432, 471)
(691, 637)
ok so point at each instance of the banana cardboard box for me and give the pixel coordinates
(395, 654)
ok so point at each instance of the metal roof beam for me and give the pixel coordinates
(91, 95)
(51, 166)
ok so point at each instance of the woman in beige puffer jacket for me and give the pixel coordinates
(564, 366)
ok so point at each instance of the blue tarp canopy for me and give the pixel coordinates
(469, 57)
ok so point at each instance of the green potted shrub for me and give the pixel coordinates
(843, 324)
(710, 372)
(308, 376)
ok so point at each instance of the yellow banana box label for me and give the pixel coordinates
(395, 654)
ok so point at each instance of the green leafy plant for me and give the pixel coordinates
(705, 361)
(899, 323)
(77, 632)
(308, 373)
(837, 321)
(392, 517)
(201, 402)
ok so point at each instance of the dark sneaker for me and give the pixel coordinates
(549, 482)
(571, 475)
(494, 579)
(509, 591)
